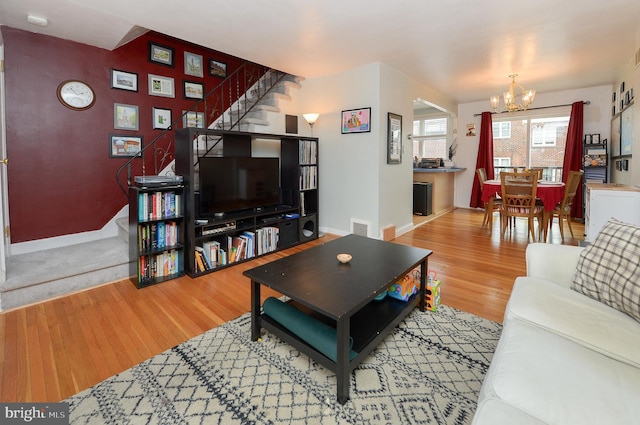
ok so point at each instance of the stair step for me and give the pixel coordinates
(45, 274)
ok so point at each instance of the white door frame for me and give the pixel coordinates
(4, 210)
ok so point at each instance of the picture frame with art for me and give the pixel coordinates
(161, 86)
(160, 54)
(161, 118)
(123, 80)
(217, 68)
(192, 119)
(193, 90)
(193, 64)
(394, 138)
(125, 117)
(124, 146)
(356, 120)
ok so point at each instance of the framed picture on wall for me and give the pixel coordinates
(125, 117)
(161, 118)
(626, 132)
(161, 86)
(161, 54)
(120, 146)
(124, 80)
(193, 64)
(192, 119)
(193, 90)
(615, 136)
(217, 69)
(394, 138)
(356, 121)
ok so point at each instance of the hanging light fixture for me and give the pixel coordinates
(512, 96)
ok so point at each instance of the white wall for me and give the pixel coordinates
(355, 180)
(597, 119)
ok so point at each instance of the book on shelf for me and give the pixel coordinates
(205, 256)
(158, 205)
(266, 239)
(158, 265)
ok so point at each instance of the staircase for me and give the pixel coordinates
(46, 274)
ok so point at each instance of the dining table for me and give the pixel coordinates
(550, 193)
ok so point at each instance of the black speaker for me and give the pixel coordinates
(308, 228)
(288, 233)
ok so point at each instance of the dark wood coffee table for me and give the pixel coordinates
(341, 295)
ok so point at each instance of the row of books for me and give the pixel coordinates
(158, 205)
(215, 253)
(308, 152)
(157, 235)
(159, 265)
(308, 177)
(267, 238)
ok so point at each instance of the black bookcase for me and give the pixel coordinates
(156, 234)
(214, 242)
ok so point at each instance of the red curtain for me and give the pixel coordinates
(573, 153)
(485, 159)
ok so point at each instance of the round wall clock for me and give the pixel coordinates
(76, 95)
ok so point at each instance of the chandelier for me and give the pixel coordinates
(512, 96)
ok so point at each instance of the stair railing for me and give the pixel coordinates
(223, 108)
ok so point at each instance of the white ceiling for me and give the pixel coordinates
(460, 48)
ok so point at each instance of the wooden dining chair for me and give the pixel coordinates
(538, 170)
(492, 205)
(563, 209)
(519, 200)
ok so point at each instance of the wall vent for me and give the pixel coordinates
(360, 227)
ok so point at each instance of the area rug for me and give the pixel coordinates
(428, 371)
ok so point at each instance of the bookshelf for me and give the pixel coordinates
(214, 242)
(156, 234)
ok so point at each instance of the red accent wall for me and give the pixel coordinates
(60, 175)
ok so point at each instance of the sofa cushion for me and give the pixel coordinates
(558, 381)
(574, 316)
(497, 412)
(609, 269)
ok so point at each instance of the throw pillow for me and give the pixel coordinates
(609, 269)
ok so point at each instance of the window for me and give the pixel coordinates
(531, 141)
(430, 137)
(545, 131)
(501, 130)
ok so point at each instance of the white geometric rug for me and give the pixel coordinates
(429, 370)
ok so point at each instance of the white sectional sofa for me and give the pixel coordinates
(563, 358)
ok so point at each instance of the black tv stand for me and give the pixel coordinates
(242, 234)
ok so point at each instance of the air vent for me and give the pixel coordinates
(359, 227)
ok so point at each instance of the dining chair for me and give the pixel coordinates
(519, 200)
(563, 209)
(538, 170)
(492, 205)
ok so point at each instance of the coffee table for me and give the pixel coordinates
(341, 295)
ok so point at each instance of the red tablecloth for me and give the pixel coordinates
(549, 193)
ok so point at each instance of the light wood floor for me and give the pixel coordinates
(54, 349)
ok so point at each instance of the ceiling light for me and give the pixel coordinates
(37, 20)
(514, 101)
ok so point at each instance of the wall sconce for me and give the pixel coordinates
(311, 120)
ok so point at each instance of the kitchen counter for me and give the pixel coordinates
(443, 186)
(438, 170)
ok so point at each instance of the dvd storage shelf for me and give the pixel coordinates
(215, 240)
(156, 234)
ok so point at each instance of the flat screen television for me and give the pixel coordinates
(234, 184)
